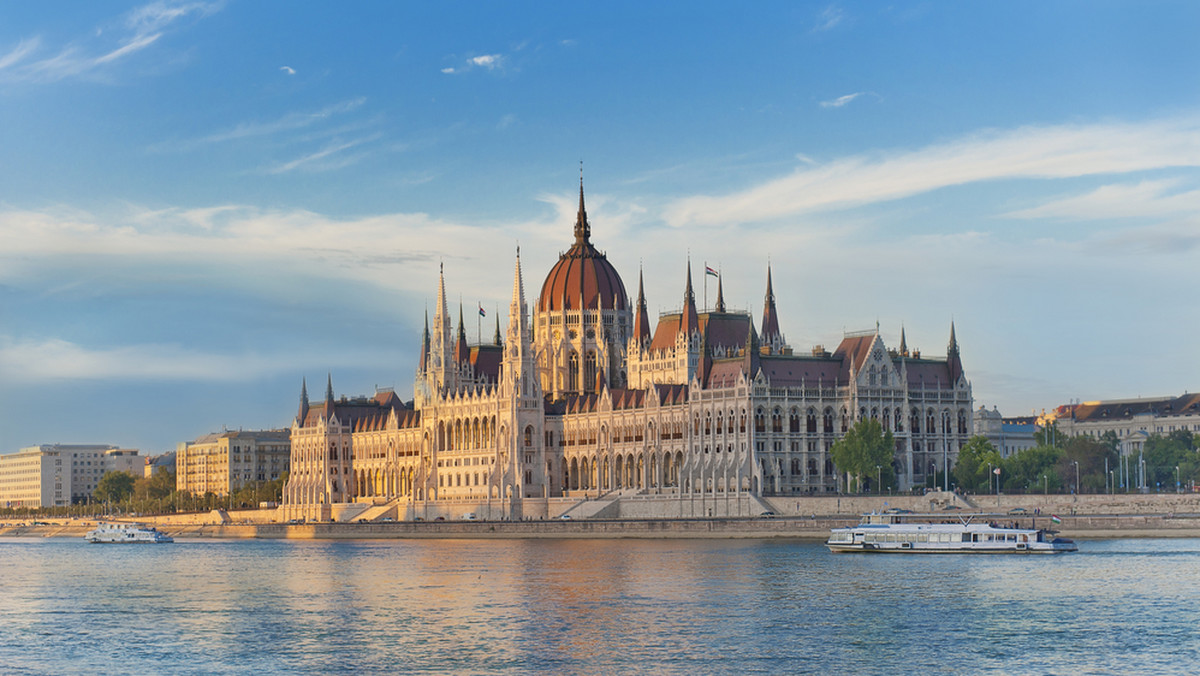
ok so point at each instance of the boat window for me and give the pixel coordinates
(922, 538)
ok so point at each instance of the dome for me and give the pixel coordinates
(582, 279)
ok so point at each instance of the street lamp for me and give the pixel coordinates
(1076, 463)
(879, 478)
(1176, 478)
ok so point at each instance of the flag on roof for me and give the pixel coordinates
(710, 271)
(481, 312)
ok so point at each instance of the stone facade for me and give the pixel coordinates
(225, 462)
(583, 402)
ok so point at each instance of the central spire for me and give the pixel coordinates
(583, 231)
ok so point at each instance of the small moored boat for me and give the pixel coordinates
(893, 533)
(126, 533)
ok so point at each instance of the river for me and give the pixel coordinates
(591, 606)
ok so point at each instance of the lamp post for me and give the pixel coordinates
(879, 479)
(1076, 463)
(1176, 478)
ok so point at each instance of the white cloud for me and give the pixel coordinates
(288, 69)
(24, 48)
(829, 18)
(1142, 200)
(488, 61)
(841, 100)
(321, 159)
(142, 27)
(1030, 152)
(289, 122)
(37, 361)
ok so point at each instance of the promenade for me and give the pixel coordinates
(1086, 516)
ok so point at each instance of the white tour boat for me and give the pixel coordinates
(892, 533)
(130, 533)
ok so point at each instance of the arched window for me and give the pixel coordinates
(573, 373)
(529, 436)
(962, 421)
(827, 421)
(589, 371)
(760, 423)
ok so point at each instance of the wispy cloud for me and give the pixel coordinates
(1029, 152)
(327, 158)
(141, 28)
(288, 69)
(485, 61)
(829, 18)
(23, 49)
(37, 361)
(1145, 199)
(841, 100)
(289, 122)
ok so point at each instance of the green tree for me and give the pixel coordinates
(976, 459)
(1091, 454)
(1032, 469)
(864, 449)
(1164, 454)
(114, 487)
(1050, 435)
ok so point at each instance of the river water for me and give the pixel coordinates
(590, 607)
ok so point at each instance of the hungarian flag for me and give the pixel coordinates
(710, 271)
(1054, 519)
(481, 312)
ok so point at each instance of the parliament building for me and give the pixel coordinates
(583, 408)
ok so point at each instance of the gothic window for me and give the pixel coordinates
(827, 421)
(760, 423)
(899, 421)
(794, 421)
(962, 422)
(916, 421)
(529, 436)
(811, 421)
(573, 373)
(777, 421)
(589, 371)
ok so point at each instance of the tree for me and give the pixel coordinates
(1032, 469)
(1091, 455)
(975, 461)
(864, 449)
(1164, 454)
(114, 487)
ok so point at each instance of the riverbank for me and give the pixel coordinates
(813, 527)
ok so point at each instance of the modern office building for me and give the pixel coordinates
(52, 475)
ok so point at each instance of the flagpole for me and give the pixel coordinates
(706, 286)
(479, 326)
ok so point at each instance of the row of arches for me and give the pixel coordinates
(622, 470)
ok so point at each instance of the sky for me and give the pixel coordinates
(203, 204)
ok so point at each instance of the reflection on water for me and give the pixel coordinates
(591, 606)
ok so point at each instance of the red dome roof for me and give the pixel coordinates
(583, 279)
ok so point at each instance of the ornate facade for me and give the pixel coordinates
(583, 405)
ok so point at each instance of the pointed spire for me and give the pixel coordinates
(641, 323)
(953, 360)
(329, 396)
(496, 338)
(690, 321)
(903, 343)
(303, 414)
(583, 231)
(770, 321)
(720, 295)
(461, 351)
(424, 363)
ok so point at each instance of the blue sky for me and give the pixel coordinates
(202, 203)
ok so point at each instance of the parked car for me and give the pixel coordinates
(469, 516)
(1017, 510)
(565, 517)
